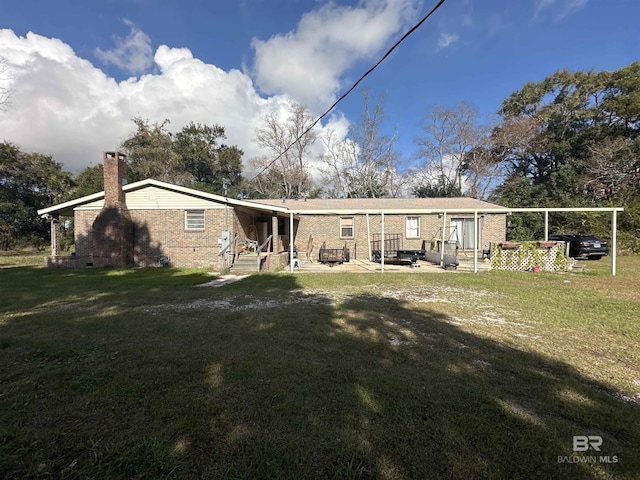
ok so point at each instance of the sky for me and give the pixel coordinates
(81, 70)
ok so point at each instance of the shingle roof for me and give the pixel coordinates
(395, 204)
(315, 205)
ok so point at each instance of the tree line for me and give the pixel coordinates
(571, 139)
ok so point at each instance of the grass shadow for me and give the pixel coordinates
(266, 379)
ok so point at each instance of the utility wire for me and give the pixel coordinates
(413, 29)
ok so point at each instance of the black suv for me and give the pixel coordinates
(583, 246)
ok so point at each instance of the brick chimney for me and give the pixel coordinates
(115, 168)
(112, 231)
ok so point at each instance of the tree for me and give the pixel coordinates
(483, 170)
(612, 169)
(209, 163)
(286, 171)
(28, 182)
(571, 140)
(448, 136)
(555, 123)
(364, 165)
(151, 155)
(88, 181)
(193, 157)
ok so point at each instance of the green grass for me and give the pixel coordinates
(141, 374)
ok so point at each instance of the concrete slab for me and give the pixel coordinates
(223, 280)
(363, 266)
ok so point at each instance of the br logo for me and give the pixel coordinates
(582, 443)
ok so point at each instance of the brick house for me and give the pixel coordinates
(152, 222)
(354, 222)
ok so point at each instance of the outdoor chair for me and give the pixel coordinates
(252, 245)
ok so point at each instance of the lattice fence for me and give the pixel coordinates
(526, 256)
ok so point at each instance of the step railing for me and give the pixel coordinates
(230, 259)
(267, 242)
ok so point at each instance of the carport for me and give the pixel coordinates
(477, 213)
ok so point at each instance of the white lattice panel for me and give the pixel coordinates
(528, 255)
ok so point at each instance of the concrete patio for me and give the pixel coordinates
(364, 266)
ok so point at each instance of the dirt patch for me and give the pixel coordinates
(236, 303)
(475, 302)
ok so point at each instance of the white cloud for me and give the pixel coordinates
(541, 5)
(447, 39)
(571, 6)
(562, 8)
(65, 106)
(307, 63)
(132, 54)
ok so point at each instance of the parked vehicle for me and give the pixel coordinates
(583, 246)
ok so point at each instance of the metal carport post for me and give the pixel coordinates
(291, 241)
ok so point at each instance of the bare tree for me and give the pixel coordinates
(5, 92)
(338, 158)
(483, 170)
(285, 171)
(448, 136)
(612, 170)
(364, 164)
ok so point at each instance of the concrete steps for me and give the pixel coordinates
(245, 264)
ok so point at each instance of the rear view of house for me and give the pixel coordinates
(156, 223)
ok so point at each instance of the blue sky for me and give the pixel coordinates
(88, 67)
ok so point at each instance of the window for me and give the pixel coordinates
(346, 227)
(194, 220)
(413, 227)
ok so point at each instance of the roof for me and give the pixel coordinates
(387, 205)
(318, 206)
(67, 207)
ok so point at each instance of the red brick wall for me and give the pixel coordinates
(162, 233)
(326, 228)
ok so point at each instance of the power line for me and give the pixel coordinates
(411, 30)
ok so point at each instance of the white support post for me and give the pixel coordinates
(291, 242)
(55, 237)
(442, 240)
(382, 243)
(614, 234)
(475, 241)
(369, 238)
(546, 225)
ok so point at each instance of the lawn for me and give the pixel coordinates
(108, 373)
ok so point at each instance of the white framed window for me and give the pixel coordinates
(413, 227)
(194, 220)
(346, 227)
